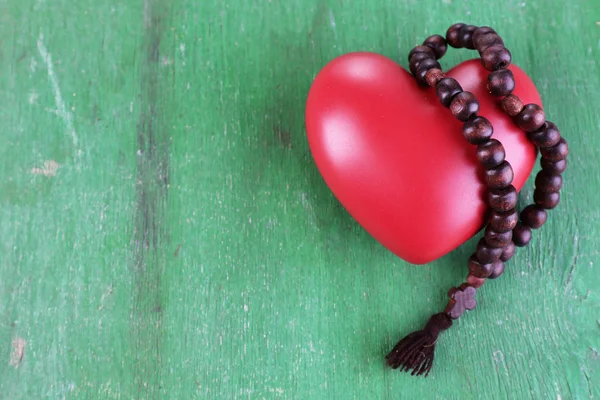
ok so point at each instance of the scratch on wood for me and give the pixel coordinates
(177, 250)
(573, 264)
(18, 351)
(48, 169)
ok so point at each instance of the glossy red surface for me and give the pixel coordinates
(396, 158)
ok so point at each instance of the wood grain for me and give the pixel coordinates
(165, 233)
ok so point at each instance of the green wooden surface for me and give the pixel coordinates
(165, 233)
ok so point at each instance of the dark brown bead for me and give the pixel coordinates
(421, 49)
(464, 105)
(453, 35)
(483, 42)
(416, 61)
(546, 200)
(418, 64)
(478, 269)
(491, 153)
(465, 36)
(497, 239)
(500, 176)
(487, 254)
(501, 82)
(437, 43)
(553, 167)
(534, 216)
(477, 130)
(546, 182)
(547, 136)
(503, 221)
(479, 32)
(521, 235)
(433, 76)
(446, 89)
(475, 281)
(557, 152)
(495, 57)
(512, 105)
(497, 269)
(508, 252)
(422, 69)
(531, 118)
(503, 199)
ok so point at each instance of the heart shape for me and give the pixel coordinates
(396, 158)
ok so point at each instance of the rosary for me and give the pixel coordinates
(504, 230)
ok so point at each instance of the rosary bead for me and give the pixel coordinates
(422, 69)
(501, 82)
(546, 182)
(503, 199)
(446, 89)
(421, 49)
(475, 281)
(534, 216)
(464, 105)
(546, 200)
(488, 40)
(452, 35)
(547, 136)
(508, 252)
(433, 76)
(437, 43)
(553, 167)
(512, 105)
(420, 59)
(500, 176)
(495, 57)
(557, 152)
(497, 239)
(521, 235)
(487, 254)
(491, 153)
(465, 36)
(482, 30)
(531, 118)
(497, 269)
(477, 130)
(478, 269)
(504, 221)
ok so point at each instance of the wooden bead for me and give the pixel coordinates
(546, 182)
(474, 281)
(478, 269)
(503, 221)
(422, 69)
(495, 57)
(553, 167)
(547, 136)
(487, 254)
(465, 36)
(491, 153)
(421, 49)
(500, 176)
(497, 239)
(433, 76)
(503, 199)
(501, 82)
(464, 105)
(521, 235)
(534, 216)
(546, 200)
(416, 61)
(437, 43)
(512, 105)
(483, 42)
(482, 30)
(477, 130)
(557, 152)
(497, 269)
(452, 35)
(446, 89)
(531, 118)
(508, 252)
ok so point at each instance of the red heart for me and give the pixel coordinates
(396, 158)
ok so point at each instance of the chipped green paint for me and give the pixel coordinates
(165, 234)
